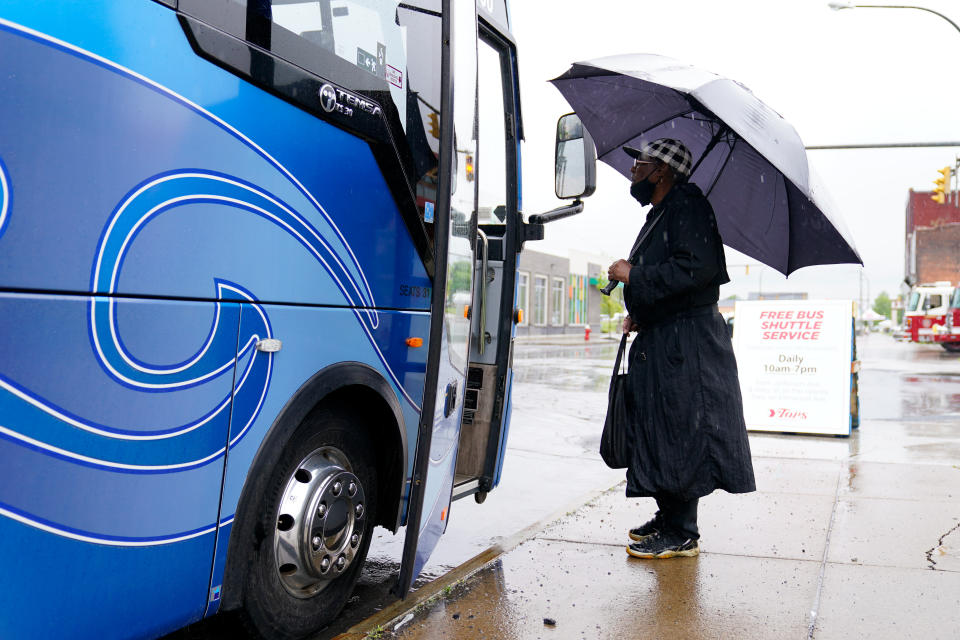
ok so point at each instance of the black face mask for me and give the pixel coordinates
(643, 191)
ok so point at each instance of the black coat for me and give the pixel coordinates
(683, 391)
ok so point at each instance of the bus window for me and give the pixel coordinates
(492, 152)
(335, 39)
(386, 51)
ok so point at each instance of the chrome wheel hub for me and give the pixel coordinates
(320, 522)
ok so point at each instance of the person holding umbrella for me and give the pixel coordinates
(760, 192)
(682, 390)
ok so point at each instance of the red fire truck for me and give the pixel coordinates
(947, 335)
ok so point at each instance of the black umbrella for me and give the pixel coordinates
(748, 160)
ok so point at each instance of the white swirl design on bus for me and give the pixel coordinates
(4, 197)
(39, 425)
(155, 197)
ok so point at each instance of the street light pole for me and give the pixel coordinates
(837, 6)
(863, 303)
(860, 297)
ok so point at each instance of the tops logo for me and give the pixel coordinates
(788, 413)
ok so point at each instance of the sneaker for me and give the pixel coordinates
(657, 545)
(646, 529)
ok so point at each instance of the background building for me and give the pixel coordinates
(932, 251)
(559, 295)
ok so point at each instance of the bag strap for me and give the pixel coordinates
(644, 233)
(623, 348)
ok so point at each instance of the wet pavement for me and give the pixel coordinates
(853, 537)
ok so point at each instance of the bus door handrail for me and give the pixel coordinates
(482, 338)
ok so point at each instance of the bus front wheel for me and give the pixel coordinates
(315, 523)
(952, 347)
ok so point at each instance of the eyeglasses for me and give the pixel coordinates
(637, 163)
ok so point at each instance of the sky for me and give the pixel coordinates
(860, 76)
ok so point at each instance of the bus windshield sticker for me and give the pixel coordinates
(394, 76)
(367, 62)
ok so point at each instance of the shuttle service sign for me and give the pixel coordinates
(794, 361)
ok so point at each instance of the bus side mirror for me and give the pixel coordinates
(576, 159)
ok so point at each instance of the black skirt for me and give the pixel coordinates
(684, 398)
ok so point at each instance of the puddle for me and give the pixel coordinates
(931, 395)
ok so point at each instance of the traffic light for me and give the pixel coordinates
(943, 185)
(434, 125)
(470, 169)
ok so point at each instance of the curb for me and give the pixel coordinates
(387, 618)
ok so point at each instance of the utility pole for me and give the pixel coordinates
(954, 191)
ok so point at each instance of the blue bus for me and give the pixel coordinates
(257, 273)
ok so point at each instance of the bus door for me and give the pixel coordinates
(486, 413)
(479, 234)
(501, 234)
(454, 233)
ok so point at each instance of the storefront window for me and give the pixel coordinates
(523, 296)
(540, 300)
(556, 302)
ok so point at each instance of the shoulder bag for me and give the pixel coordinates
(616, 443)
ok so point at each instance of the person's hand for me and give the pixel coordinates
(629, 325)
(620, 271)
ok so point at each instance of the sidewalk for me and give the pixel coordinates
(847, 546)
(845, 538)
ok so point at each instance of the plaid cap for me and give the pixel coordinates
(667, 150)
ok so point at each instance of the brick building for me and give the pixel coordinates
(932, 251)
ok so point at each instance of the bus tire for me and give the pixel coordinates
(952, 347)
(315, 521)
